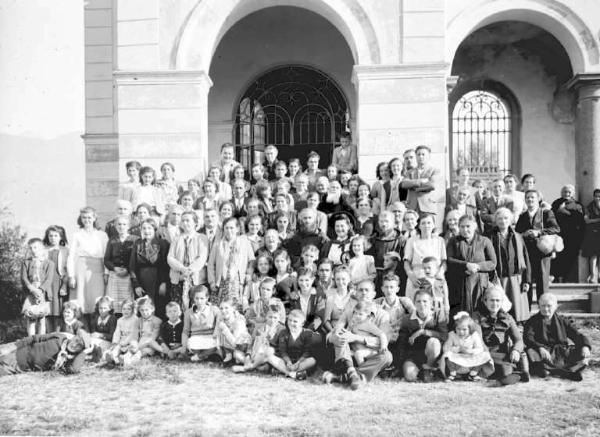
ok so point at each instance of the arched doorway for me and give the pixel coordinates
(294, 107)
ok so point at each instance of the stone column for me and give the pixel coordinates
(587, 133)
(401, 107)
(162, 116)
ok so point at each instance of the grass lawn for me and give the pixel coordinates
(161, 399)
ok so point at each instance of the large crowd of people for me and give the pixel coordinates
(288, 270)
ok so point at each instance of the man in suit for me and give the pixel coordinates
(239, 199)
(490, 204)
(421, 183)
(211, 229)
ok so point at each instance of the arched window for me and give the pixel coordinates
(484, 124)
(294, 107)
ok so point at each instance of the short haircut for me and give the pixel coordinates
(34, 240)
(173, 304)
(198, 289)
(550, 297)
(191, 214)
(326, 261)
(296, 314)
(423, 292)
(134, 164)
(310, 248)
(362, 306)
(467, 218)
(345, 135)
(304, 271)
(226, 146)
(391, 277)
(313, 154)
(423, 147)
(268, 282)
(511, 176)
(537, 193)
(429, 259)
(145, 301)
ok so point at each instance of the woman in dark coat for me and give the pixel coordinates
(591, 243)
(512, 268)
(148, 266)
(471, 259)
(569, 216)
(533, 223)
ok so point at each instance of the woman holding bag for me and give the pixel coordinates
(533, 224)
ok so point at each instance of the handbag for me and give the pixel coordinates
(549, 243)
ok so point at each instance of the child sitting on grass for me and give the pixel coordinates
(103, 327)
(307, 300)
(294, 356)
(464, 351)
(170, 333)
(199, 324)
(231, 334)
(124, 340)
(391, 263)
(149, 328)
(70, 322)
(420, 338)
(362, 324)
(263, 344)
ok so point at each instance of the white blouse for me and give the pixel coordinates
(86, 244)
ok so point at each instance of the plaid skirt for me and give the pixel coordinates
(119, 288)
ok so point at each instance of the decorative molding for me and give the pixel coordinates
(160, 77)
(587, 86)
(100, 139)
(399, 71)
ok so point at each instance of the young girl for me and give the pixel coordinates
(361, 266)
(307, 300)
(286, 282)
(308, 258)
(239, 174)
(263, 343)
(193, 186)
(37, 272)
(231, 334)
(225, 211)
(282, 222)
(116, 261)
(70, 321)
(294, 356)
(224, 190)
(263, 267)
(254, 228)
(294, 169)
(149, 327)
(335, 304)
(55, 241)
(103, 325)
(257, 312)
(148, 193)
(464, 351)
(170, 190)
(199, 324)
(126, 334)
(128, 189)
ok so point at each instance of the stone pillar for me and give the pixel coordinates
(401, 107)
(162, 116)
(587, 134)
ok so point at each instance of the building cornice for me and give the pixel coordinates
(159, 77)
(399, 71)
(584, 79)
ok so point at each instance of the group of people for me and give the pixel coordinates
(289, 270)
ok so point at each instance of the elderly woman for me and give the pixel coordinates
(334, 202)
(591, 242)
(512, 268)
(532, 224)
(230, 264)
(554, 344)
(503, 339)
(471, 258)
(419, 247)
(85, 262)
(569, 215)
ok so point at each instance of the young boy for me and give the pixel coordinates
(391, 263)
(398, 307)
(257, 312)
(170, 332)
(199, 324)
(362, 324)
(345, 157)
(421, 337)
(437, 285)
(308, 258)
(307, 300)
(294, 356)
(325, 285)
(37, 273)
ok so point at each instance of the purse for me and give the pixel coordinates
(549, 243)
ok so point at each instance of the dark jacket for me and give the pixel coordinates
(560, 331)
(518, 257)
(500, 334)
(303, 238)
(381, 245)
(543, 221)
(39, 353)
(291, 350)
(107, 329)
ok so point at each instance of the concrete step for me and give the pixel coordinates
(572, 298)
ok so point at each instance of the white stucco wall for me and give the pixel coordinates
(42, 174)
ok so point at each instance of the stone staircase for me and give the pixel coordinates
(577, 299)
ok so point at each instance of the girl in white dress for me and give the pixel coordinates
(464, 350)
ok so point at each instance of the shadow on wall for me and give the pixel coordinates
(42, 181)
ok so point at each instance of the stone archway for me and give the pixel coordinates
(553, 16)
(211, 19)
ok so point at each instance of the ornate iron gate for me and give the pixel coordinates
(295, 108)
(482, 134)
